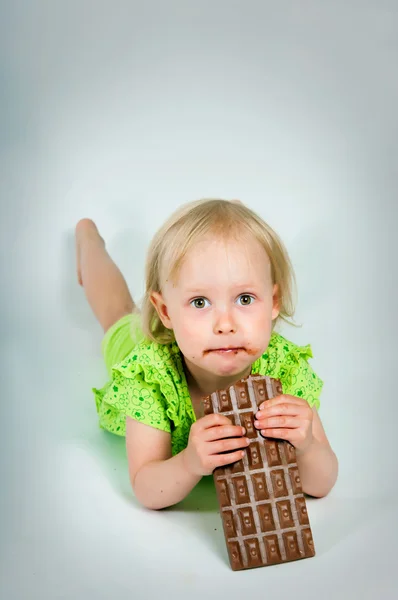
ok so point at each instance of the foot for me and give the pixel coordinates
(85, 229)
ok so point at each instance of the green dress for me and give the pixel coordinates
(149, 385)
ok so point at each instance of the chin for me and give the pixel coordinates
(229, 370)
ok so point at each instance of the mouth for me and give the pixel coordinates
(228, 350)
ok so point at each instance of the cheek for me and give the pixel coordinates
(258, 330)
(260, 320)
(188, 340)
(191, 331)
(186, 328)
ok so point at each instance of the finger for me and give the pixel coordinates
(211, 421)
(283, 399)
(222, 431)
(227, 445)
(297, 437)
(280, 421)
(283, 408)
(276, 432)
(293, 436)
(219, 460)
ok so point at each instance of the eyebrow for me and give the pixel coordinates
(244, 286)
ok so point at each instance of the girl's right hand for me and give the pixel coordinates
(208, 437)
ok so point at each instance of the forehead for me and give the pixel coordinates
(222, 262)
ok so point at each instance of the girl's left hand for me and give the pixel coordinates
(288, 418)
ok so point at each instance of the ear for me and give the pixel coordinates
(275, 302)
(158, 302)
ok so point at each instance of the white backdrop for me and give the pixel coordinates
(121, 111)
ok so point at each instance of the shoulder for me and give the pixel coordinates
(288, 362)
(282, 351)
(150, 361)
(152, 375)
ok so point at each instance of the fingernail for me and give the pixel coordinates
(243, 431)
(256, 423)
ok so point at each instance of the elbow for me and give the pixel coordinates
(148, 503)
(322, 488)
(318, 491)
(146, 499)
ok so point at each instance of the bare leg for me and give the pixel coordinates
(104, 285)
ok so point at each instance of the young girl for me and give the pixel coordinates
(218, 280)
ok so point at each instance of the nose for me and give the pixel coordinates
(224, 323)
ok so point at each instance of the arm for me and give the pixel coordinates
(317, 463)
(158, 479)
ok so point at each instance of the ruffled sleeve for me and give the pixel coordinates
(288, 362)
(137, 398)
(144, 387)
(298, 378)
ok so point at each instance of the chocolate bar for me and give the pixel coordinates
(262, 505)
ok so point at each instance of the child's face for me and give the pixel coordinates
(222, 306)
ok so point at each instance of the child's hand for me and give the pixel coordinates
(288, 418)
(208, 437)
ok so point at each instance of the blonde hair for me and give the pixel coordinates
(192, 222)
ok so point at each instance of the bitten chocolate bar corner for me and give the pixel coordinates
(262, 505)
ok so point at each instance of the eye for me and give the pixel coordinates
(246, 299)
(199, 302)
